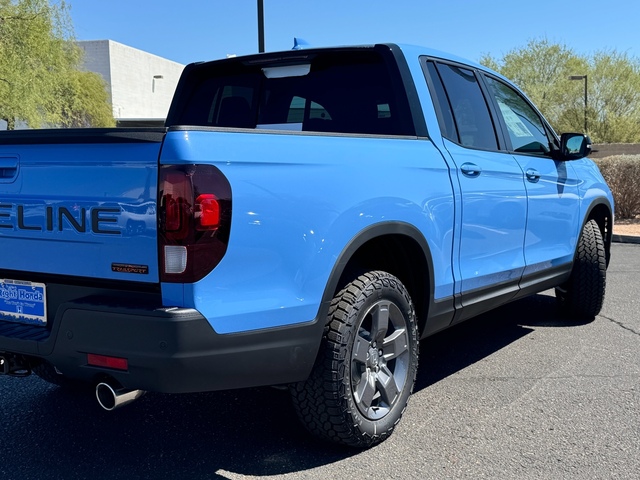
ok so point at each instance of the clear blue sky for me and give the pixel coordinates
(189, 30)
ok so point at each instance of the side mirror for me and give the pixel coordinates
(574, 146)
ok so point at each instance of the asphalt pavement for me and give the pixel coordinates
(520, 393)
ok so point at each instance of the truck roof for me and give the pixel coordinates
(409, 50)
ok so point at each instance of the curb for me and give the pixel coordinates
(625, 239)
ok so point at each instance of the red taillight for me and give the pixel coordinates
(194, 221)
(207, 212)
(104, 361)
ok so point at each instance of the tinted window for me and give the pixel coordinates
(441, 102)
(343, 91)
(298, 111)
(473, 122)
(524, 125)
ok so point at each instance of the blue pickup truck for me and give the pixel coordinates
(304, 219)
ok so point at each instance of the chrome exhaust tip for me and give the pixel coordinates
(111, 398)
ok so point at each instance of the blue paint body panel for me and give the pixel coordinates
(77, 209)
(493, 206)
(297, 205)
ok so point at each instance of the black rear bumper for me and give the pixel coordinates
(170, 350)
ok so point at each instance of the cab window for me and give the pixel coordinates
(355, 91)
(524, 125)
(467, 103)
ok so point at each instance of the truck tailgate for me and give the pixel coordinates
(81, 204)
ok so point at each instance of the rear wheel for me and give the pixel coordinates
(366, 369)
(583, 294)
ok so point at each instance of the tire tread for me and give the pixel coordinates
(321, 402)
(583, 295)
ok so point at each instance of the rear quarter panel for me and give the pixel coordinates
(298, 200)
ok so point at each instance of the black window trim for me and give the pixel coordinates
(408, 86)
(424, 63)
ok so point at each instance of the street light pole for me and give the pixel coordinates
(260, 26)
(586, 101)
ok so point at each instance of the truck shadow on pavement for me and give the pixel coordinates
(49, 433)
(454, 349)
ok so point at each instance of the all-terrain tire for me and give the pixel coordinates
(366, 367)
(582, 296)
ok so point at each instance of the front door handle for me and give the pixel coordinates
(532, 175)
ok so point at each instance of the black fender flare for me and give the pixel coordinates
(391, 228)
(606, 234)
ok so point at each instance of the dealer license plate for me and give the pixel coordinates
(23, 302)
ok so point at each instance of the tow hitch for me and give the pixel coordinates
(14, 365)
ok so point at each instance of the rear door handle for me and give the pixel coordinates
(470, 170)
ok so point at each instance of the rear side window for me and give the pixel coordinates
(335, 91)
(441, 102)
(467, 103)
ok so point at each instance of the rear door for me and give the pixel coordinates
(494, 203)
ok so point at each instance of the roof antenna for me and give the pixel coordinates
(299, 43)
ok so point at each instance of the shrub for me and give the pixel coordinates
(622, 173)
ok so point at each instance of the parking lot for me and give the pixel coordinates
(518, 393)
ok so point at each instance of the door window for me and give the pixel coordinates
(471, 114)
(524, 125)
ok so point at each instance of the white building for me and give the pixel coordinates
(140, 85)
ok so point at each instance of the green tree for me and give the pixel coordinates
(83, 101)
(614, 109)
(40, 81)
(542, 70)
